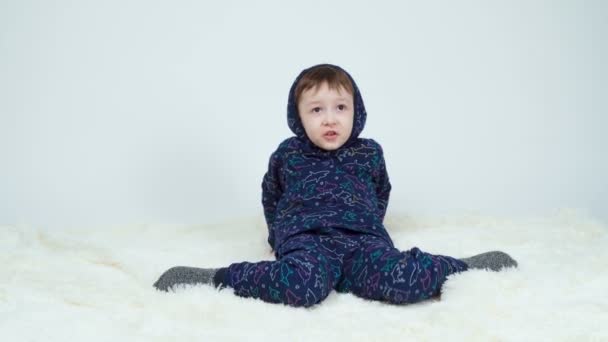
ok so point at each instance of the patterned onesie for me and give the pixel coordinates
(325, 211)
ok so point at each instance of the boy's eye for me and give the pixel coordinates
(341, 107)
(316, 109)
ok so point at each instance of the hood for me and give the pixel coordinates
(295, 124)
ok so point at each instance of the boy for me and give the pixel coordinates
(325, 195)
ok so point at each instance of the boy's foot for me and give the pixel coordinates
(494, 261)
(181, 275)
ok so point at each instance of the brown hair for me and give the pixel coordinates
(315, 76)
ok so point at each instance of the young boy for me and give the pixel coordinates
(325, 195)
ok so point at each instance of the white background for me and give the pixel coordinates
(117, 112)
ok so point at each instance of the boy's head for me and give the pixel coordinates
(324, 98)
(325, 104)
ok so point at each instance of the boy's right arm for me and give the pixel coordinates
(271, 193)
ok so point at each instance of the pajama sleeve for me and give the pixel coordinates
(271, 193)
(382, 183)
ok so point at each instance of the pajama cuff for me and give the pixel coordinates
(219, 279)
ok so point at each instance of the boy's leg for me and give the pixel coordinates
(302, 275)
(381, 272)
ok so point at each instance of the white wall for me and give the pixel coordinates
(167, 111)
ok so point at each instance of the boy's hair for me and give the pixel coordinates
(315, 76)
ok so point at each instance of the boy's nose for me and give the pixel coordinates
(330, 118)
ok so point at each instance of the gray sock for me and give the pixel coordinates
(181, 275)
(494, 261)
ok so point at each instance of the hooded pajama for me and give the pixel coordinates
(324, 211)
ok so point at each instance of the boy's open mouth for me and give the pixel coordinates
(331, 134)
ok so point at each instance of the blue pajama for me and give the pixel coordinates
(311, 264)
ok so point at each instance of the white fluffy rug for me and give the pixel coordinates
(95, 284)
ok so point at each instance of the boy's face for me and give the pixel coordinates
(327, 116)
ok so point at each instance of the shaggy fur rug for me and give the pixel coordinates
(95, 284)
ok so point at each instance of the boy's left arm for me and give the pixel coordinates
(272, 190)
(382, 183)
